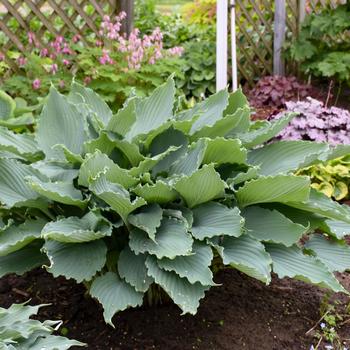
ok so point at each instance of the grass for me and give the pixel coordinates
(170, 6)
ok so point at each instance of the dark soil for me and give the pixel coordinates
(241, 314)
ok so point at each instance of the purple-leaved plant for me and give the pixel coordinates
(316, 122)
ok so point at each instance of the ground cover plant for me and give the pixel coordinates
(152, 199)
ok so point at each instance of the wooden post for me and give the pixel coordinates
(279, 35)
(221, 44)
(302, 9)
(128, 7)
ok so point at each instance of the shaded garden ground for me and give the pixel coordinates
(241, 314)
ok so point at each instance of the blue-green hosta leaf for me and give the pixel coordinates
(240, 177)
(148, 219)
(24, 145)
(114, 294)
(102, 143)
(319, 203)
(194, 267)
(248, 255)
(202, 186)
(95, 103)
(291, 262)
(271, 226)
(221, 150)
(79, 261)
(337, 228)
(18, 122)
(97, 162)
(236, 101)
(159, 192)
(334, 254)
(258, 136)
(153, 111)
(56, 171)
(181, 291)
(50, 342)
(115, 195)
(60, 122)
(279, 188)
(171, 240)
(76, 230)
(13, 238)
(23, 260)
(132, 268)
(285, 156)
(180, 213)
(335, 152)
(7, 105)
(69, 156)
(215, 219)
(11, 155)
(61, 192)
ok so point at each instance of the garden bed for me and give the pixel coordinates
(241, 314)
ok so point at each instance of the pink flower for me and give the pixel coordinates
(44, 52)
(36, 84)
(76, 38)
(87, 80)
(176, 51)
(105, 58)
(66, 62)
(54, 68)
(21, 61)
(2, 57)
(61, 84)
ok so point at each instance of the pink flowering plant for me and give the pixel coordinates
(110, 62)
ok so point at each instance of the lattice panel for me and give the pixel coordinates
(318, 5)
(47, 18)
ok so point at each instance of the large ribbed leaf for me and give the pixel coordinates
(76, 230)
(285, 156)
(171, 240)
(115, 195)
(97, 162)
(241, 177)
(271, 226)
(236, 101)
(50, 342)
(214, 219)
(22, 260)
(279, 188)
(24, 145)
(148, 219)
(153, 111)
(247, 255)
(14, 237)
(334, 254)
(221, 150)
(194, 267)
(338, 228)
(319, 203)
(132, 268)
(160, 192)
(291, 262)
(79, 261)
(181, 291)
(202, 186)
(82, 94)
(7, 105)
(60, 122)
(102, 143)
(56, 171)
(61, 192)
(114, 294)
(18, 122)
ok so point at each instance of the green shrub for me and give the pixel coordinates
(19, 332)
(147, 197)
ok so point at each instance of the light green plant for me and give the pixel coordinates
(142, 200)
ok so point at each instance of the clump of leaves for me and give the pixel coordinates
(144, 199)
(200, 12)
(276, 90)
(19, 332)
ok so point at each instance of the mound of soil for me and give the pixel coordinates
(241, 314)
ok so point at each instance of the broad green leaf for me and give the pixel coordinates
(215, 219)
(132, 268)
(271, 226)
(291, 262)
(7, 105)
(181, 291)
(236, 100)
(285, 156)
(22, 261)
(194, 267)
(51, 342)
(202, 186)
(221, 150)
(14, 237)
(79, 261)
(76, 230)
(171, 240)
(102, 143)
(336, 152)
(159, 192)
(115, 195)
(61, 192)
(114, 294)
(334, 254)
(18, 122)
(56, 171)
(60, 122)
(247, 255)
(336, 227)
(153, 111)
(148, 219)
(279, 188)
(241, 177)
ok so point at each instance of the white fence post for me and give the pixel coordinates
(221, 44)
(233, 45)
(279, 35)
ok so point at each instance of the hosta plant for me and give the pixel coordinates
(19, 332)
(147, 198)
